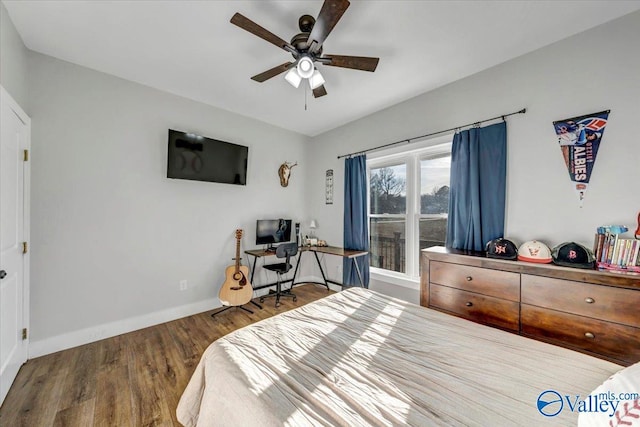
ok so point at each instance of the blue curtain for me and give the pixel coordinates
(477, 190)
(356, 233)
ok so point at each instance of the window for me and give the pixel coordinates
(408, 205)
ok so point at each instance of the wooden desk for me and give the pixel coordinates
(331, 250)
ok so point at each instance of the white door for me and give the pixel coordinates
(14, 210)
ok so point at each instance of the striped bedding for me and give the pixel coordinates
(359, 358)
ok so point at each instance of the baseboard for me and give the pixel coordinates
(108, 330)
(96, 333)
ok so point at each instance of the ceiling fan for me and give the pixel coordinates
(306, 48)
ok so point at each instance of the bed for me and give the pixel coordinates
(359, 357)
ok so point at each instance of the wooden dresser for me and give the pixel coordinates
(593, 312)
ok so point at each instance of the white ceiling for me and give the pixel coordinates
(189, 48)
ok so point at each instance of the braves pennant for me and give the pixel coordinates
(579, 139)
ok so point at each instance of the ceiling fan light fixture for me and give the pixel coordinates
(316, 80)
(307, 47)
(293, 78)
(305, 67)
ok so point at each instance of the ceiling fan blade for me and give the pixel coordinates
(273, 72)
(330, 14)
(363, 63)
(319, 91)
(248, 25)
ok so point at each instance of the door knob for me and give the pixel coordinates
(3, 274)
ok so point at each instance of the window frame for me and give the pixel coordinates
(412, 158)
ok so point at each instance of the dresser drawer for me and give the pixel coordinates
(500, 284)
(612, 340)
(602, 302)
(477, 307)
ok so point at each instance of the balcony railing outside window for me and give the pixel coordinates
(388, 250)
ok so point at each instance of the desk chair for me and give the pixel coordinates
(284, 250)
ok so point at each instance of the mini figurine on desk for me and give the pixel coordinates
(322, 243)
(310, 241)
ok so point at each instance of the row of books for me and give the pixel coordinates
(614, 252)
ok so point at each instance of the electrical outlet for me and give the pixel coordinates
(183, 285)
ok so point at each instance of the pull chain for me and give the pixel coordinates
(305, 97)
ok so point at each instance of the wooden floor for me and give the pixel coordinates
(135, 379)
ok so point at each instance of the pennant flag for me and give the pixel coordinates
(579, 139)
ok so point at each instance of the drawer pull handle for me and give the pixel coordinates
(589, 335)
(469, 304)
(469, 278)
(589, 300)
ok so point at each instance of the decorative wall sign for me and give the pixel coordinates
(328, 192)
(579, 139)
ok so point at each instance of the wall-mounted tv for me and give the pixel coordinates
(198, 158)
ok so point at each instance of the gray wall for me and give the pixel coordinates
(112, 236)
(13, 60)
(590, 72)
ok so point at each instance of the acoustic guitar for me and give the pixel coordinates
(236, 289)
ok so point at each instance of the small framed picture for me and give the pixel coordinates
(328, 192)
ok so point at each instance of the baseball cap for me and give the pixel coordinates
(502, 248)
(534, 251)
(572, 254)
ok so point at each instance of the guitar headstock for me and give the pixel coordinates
(239, 233)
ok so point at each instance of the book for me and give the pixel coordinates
(623, 259)
(598, 245)
(605, 249)
(616, 250)
(636, 254)
(612, 245)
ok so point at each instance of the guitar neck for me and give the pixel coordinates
(237, 255)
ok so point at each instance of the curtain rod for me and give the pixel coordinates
(409, 140)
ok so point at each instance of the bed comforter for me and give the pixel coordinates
(360, 358)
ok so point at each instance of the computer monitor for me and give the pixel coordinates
(270, 231)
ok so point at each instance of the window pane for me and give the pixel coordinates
(434, 185)
(388, 190)
(388, 243)
(434, 200)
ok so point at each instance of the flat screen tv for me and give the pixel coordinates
(198, 158)
(270, 231)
